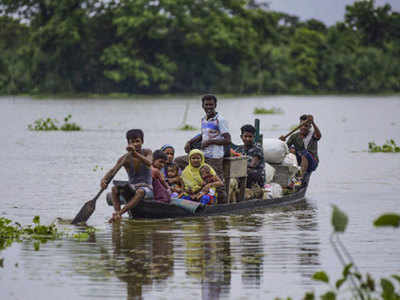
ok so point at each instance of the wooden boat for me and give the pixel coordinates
(157, 210)
(234, 167)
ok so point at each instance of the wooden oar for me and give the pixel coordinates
(89, 207)
(298, 127)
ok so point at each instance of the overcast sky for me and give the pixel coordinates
(328, 11)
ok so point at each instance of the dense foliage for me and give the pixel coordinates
(191, 46)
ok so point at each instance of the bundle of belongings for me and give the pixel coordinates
(280, 168)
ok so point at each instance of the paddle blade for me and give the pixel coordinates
(85, 212)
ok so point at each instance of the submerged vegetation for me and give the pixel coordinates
(390, 146)
(267, 111)
(51, 124)
(168, 47)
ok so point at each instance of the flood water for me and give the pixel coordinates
(264, 254)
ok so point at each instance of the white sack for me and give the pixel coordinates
(275, 150)
(272, 190)
(290, 160)
(269, 173)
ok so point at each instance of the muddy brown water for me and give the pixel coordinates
(263, 254)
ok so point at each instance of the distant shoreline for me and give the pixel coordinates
(118, 96)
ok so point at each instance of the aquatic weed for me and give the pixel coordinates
(389, 147)
(43, 125)
(67, 126)
(15, 232)
(267, 111)
(187, 127)
(49, 124)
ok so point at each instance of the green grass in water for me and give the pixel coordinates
(267, 111)
(389, 147)
(187, 127)
(50, 124)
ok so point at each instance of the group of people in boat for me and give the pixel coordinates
(198, 176)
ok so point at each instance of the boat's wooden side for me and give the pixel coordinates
(157, 210)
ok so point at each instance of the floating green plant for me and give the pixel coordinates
(15, 232)
(97, 168)
(67, 126)
(48, 124)
(187, 127)
(184, 126)
(44, 125)
(267, 111)
(389, 147)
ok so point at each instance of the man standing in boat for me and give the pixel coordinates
(214, 136)
(305, 145)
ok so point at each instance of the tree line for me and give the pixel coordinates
(192, 46)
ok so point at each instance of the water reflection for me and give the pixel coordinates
(207, 256)
(148, 256)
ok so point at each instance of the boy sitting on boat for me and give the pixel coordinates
(137, 166)
(255, 156)
(305, 145)
(161, 189)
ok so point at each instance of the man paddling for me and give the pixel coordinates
(137, 165)
(305, 145)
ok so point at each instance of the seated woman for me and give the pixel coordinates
(169, 150)
(191, 175)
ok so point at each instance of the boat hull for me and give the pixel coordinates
(158, 210)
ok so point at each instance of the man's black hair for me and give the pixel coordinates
(158, 154)
(209, 97)
(303, 117)
(248, 128)
(133, 134)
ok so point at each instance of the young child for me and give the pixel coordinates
(174, 180)
(137, 165)
(161, 189)
(208, 193)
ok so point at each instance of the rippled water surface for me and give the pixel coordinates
(264, 254)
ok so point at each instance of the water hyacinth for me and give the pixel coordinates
(269, 111)
(49, 124)
(389, 147)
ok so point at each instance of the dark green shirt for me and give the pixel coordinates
(296, 140)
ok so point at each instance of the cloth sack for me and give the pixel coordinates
(275, 150)
(290, 160)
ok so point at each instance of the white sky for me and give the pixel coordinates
(327, 11)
